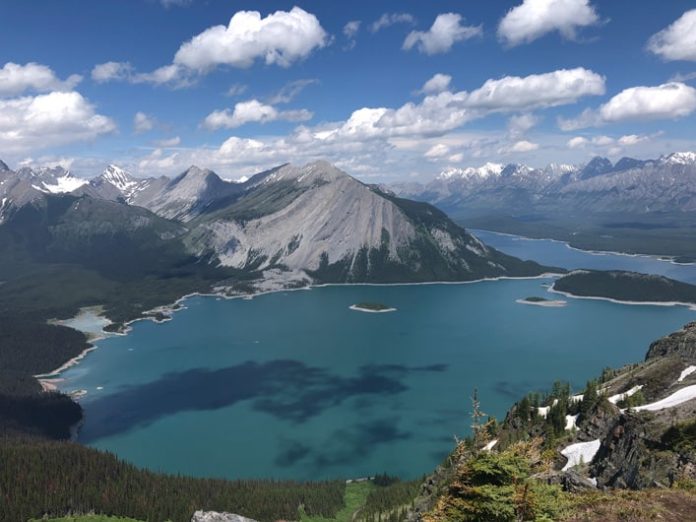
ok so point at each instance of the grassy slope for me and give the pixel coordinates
(355, 497)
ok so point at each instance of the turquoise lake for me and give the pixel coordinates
(295, 385)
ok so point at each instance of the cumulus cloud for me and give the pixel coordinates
(438, 83)
(578, 142)
(677, 41)
(389, 19)
(533, 19)
(666, 101)
(252, 111)
(614, 144)
(16, 79)
(143, 123)
(280, 38)
(523, 146)
(537, 90)
(47, 120)
(111, 71)
(631, 139)
(447, 29)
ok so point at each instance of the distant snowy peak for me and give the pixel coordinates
(559, 169)
(3, 166)
(482, 172)
(680, 158)
(61, 184)
(119, 178)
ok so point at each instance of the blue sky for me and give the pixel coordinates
(156, 85)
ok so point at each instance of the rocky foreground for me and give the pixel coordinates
(624, 449)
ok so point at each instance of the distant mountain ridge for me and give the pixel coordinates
(666, 184)
(312, 223)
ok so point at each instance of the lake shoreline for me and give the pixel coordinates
(48, 380)
(655, 257)
(690, 306)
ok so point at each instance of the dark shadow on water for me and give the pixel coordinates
(286, 389)
(343, 446)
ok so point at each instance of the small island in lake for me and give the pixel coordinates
(371, 307)
(626, 286)
(542, 301)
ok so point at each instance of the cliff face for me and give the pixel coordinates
(681, 343)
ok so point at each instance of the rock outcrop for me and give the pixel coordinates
(214, 516)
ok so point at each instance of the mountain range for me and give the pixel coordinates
(313, 223)
(629, 186)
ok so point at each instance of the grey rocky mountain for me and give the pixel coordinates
(310, 223)
(630, 186)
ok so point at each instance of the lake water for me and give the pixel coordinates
(296, 385)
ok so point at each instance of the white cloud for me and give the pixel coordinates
(678, 41)
(519, 124)
(631, 139)
(47, 120)
(168, 142)
(524, 146)
(16, 79)
(236, 89)
(172, 75)
(252, 111)
(438, 83)
(578, 142)
(143, 123)
(176, 3)
(537, 90)
(290, 90)
(351, 28)
(666, 101)
(533, 19)
(447, 29)
(602, 141)
(280, 38)
(110, 71)
(389, 19)
(437, 151)
(350, 31)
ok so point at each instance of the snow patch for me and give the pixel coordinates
(677, 398)
(622, 396)
(490, 445)
(683, 375)
(580, 453)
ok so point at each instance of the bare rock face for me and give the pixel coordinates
(681, 343)
(214, 516)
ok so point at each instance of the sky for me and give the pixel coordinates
(389, 91)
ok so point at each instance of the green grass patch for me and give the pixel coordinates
(355, 497)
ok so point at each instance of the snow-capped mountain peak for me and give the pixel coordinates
(484, 171)
(680, 158)
(119, 178)
(62, 183)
